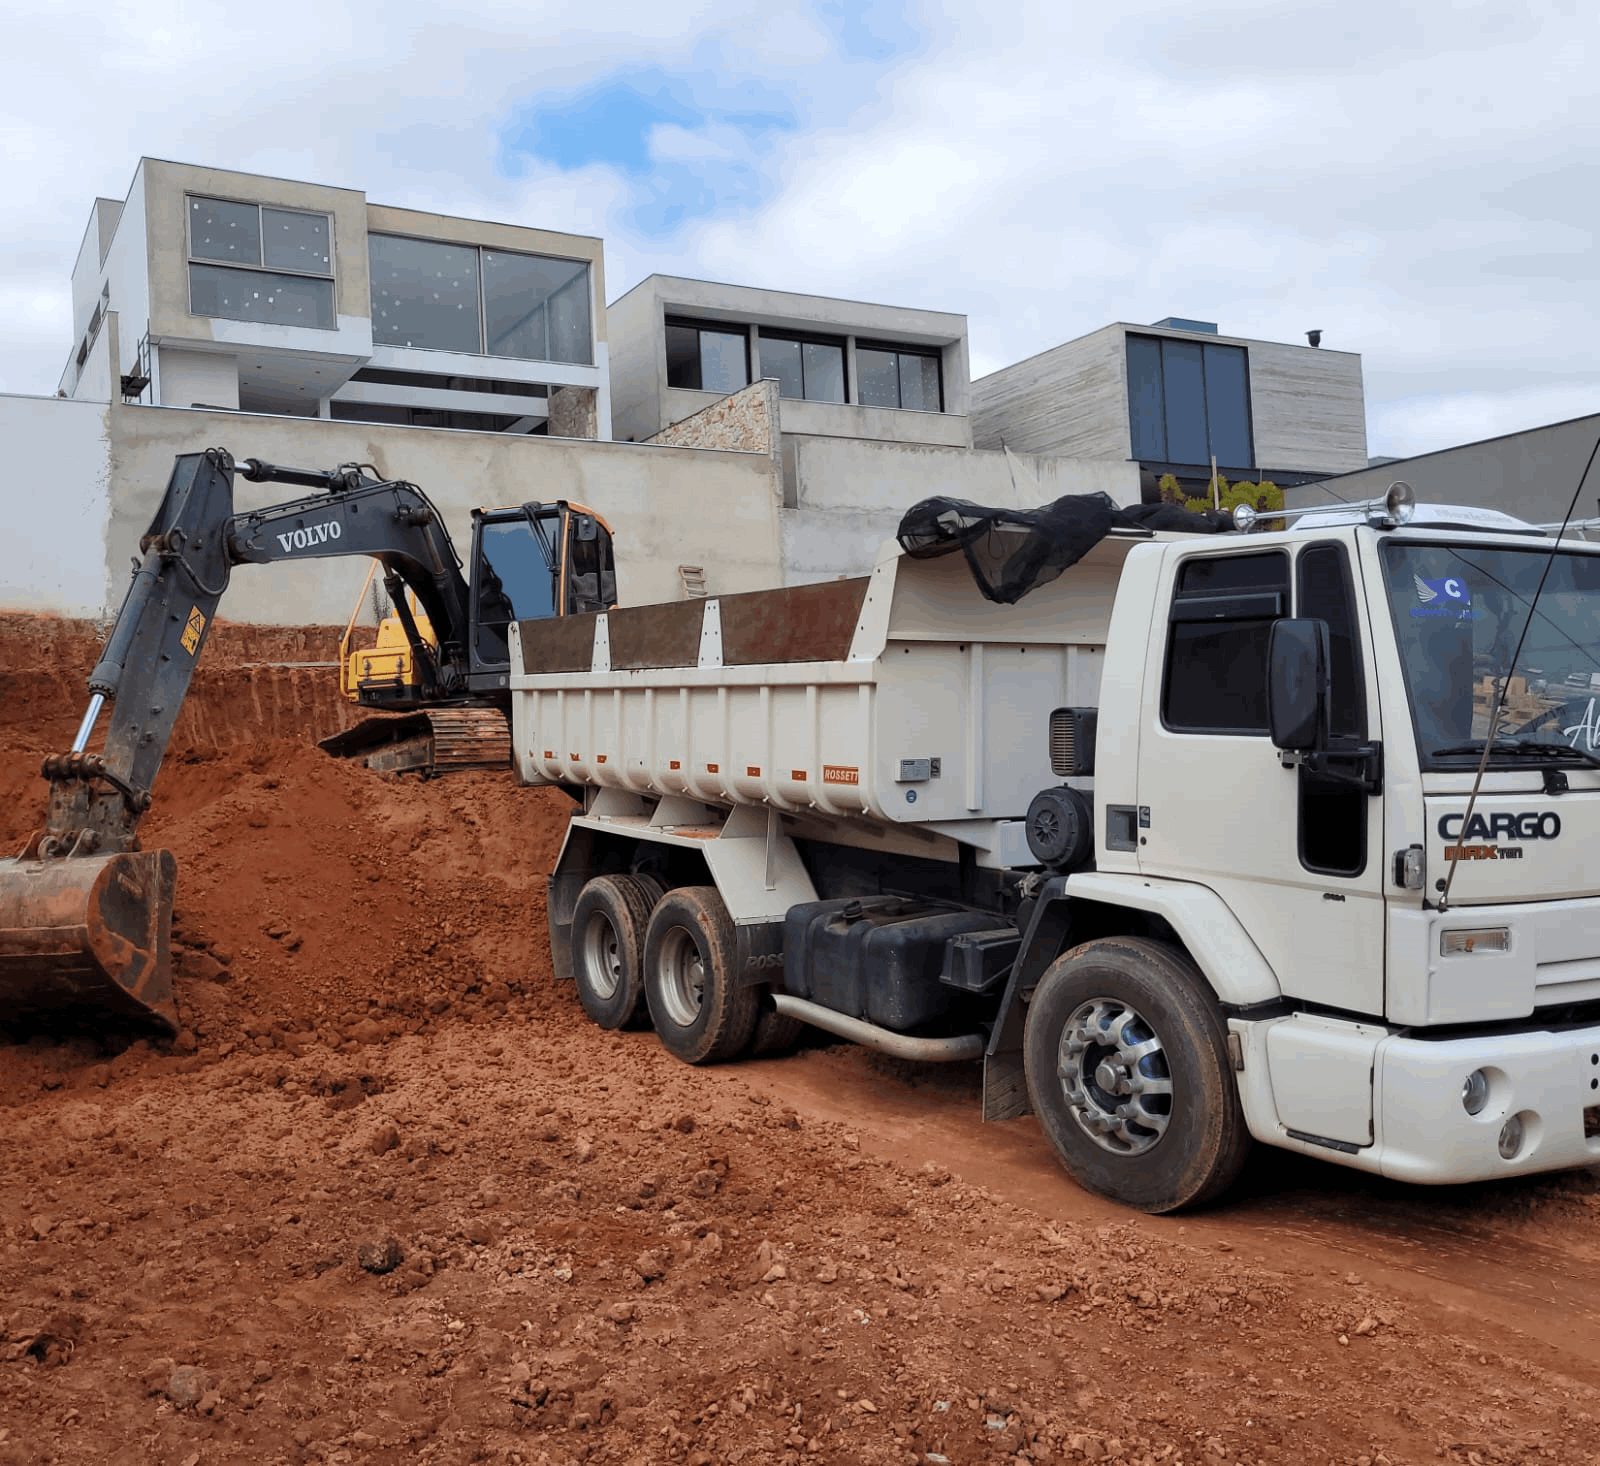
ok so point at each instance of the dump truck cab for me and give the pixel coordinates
(1413, 985)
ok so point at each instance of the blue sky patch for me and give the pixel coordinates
(615, 121)
(870, 30)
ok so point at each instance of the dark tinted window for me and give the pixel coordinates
(1146, 408)
(1189, 401)
(1228, 405)
(1183, 370)
(1326, 594)
(1222, 615)
(707, 358)
(515, 583)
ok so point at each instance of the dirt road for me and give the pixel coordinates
(391, 1198)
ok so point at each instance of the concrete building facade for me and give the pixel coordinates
(845, 369)
(245, 293)
(1172, 396)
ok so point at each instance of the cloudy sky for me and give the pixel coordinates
(1418, 181)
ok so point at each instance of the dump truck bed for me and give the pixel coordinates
(903, 696)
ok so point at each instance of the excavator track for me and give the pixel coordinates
(437, 741)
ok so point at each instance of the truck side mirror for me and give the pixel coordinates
(1298, 685)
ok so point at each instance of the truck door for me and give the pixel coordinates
(1295, 855)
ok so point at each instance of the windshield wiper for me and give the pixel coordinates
(1521, 747)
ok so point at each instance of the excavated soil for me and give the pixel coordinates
(390, 1197)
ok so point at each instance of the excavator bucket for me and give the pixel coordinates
(87, 937)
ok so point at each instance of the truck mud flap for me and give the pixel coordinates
(86, 940)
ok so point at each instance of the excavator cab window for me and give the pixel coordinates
(591, 574)
(514, 581)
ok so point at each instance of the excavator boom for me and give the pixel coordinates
(85, 912)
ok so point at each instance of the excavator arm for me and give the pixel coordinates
(85, 914)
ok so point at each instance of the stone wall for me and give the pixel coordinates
(742, 423)
(573, 413)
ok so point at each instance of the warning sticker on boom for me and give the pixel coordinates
(193, 631)
(840, 774)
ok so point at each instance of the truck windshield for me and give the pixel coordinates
(1458, 611)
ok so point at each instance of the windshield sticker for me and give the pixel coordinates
(1448, 596)
(1587, 728)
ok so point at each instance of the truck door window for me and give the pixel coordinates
(1222, 613)
(1333, 812)
(515, 583)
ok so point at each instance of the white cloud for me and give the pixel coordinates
(1419, 184)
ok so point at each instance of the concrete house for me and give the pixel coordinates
(1172, 396)
(257, 294)
(845, 369)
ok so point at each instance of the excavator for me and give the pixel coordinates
(85, 911)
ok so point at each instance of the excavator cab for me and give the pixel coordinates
(528, 563)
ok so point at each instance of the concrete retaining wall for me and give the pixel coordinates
(54, 502)
(844, 497)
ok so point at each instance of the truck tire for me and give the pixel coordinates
(608, 930)
(1127, 1067)
(776, 1033)
(691, 979)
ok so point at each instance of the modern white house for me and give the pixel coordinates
(845, 368)
(257, 294)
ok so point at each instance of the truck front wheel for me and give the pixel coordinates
(608, 930)
(700, 1011)
(1127, 1067)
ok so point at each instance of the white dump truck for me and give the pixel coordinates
(1191, 845)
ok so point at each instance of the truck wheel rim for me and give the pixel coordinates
(602, 955)
(683, 976)
(1114, 1076)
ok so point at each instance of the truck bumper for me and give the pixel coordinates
(1360, 1096)
(1548, 1081)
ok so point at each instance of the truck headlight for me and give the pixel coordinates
(1511, 1134)
(1475, 1092)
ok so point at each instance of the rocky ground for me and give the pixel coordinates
(390, 1197)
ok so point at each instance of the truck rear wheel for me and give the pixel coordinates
(691, 978)
(608, 931)
(1127, 1067)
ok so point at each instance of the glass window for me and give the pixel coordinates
(879, 372)
(893, 377)
(219, 230)
(1147, 410)
(1326, 595)
(808, 369)
(724, 361)
(292, 241)
(249, 262)
(535, 307)
(515, 583)
(424, 294)
(1459, 614)
(683, 356)
(1189, 401)
(255, 295)
(919, 382)
(824, 365)
(707, 358)
(1222, 615)
(1183, 371)
(781, 359)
